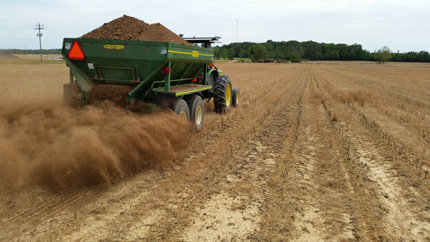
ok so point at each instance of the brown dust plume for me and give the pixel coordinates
(45, 142)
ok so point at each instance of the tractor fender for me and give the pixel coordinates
(211, 76)
(215, 72)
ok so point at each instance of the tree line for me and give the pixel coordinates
(292, 50)
(24, 52)
(296, 51)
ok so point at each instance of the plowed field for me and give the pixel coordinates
(314, 152)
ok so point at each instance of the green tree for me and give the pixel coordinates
(231, 54)
(383, 55)
(224, 54)
(242, 53)
(257, 52)
(312, 50)
(295, 49)
(423, 56)
(216, 52)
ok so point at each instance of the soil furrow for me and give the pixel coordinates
(370, 156)
(232, 169)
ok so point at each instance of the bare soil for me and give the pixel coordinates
(7, 56)
(328, 151)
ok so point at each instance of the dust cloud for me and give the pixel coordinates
(45, 142)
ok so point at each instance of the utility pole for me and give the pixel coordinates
(40, 27)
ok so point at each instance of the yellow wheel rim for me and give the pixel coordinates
(237, 98)
(228, 95)
(199, 115)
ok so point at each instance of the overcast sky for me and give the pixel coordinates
(402, 25)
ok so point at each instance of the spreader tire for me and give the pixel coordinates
(235, 97)
(181, 109)
(197, 111)
(222, 94)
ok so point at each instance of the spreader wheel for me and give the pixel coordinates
(222, 94)
(235, 97)
(197, 111)
(181, 109)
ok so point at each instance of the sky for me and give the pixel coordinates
(402, 25)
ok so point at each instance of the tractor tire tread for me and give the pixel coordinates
(219, 93)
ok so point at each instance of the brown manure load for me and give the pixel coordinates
(130, 28)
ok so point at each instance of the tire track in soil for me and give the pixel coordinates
(269, 167)
(231, 179)
(256, 167)
(313, 205)
(394, 216)
(405, 189)
(325, 211)
(360, 195)
(284, 224)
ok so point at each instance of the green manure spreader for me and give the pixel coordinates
(136, 73)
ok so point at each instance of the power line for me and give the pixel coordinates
(40, 27)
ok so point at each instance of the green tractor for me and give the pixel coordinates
(130, 73)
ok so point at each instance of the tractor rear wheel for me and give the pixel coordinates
(235, 97)
(197, 111)
(222, 94)
(181, 109)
